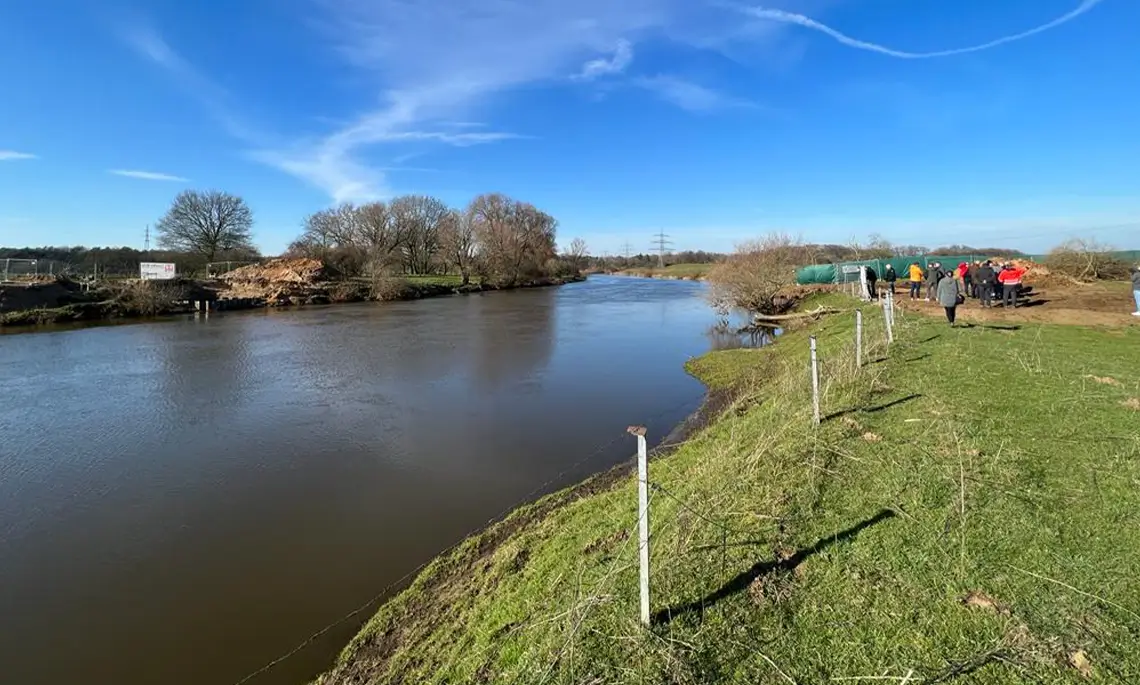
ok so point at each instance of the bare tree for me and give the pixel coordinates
(418, 219)
(752, 277)
(458, 243)
(380, 234)
(577, 251)
(206, 223)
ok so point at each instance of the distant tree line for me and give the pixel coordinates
(495, 239)
(652, 260)
(119, 261)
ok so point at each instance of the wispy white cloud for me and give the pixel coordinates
(615, 64)
(688, 95)
(433, 66)
(147, 175)
(216, 100)
(9, 155)
(786, 17)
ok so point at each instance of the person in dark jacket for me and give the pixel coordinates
(949, 291)
(933, 275)
(972, 279)
(872, 283)
(984, 279)
(1136, 288)
(890, 276)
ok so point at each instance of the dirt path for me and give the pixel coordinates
(1052, 301)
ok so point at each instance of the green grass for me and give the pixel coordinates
(1002, 462)
(453, 280)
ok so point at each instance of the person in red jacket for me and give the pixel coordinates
(1010, 279)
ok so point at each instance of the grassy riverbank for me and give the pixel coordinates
(969, 511)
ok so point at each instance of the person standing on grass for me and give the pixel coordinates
(1136, 288)
(916, 278)
(949, 294)
(964, 276)
(1010, 278)
(984, 279)
(890, 276)
(972, 279)
(933, 275)
(872, 283)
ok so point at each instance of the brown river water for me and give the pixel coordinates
(183, 501)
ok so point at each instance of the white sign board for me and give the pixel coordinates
(156, 271)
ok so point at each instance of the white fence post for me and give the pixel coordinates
(814, 382)
(858, 338)
(889, 317)
(643, 517)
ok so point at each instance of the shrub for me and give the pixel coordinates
(752, 277)
(1086, 260)
(386, 288)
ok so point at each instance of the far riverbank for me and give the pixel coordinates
(33, 306)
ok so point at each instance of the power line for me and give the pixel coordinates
(661, 243)
(627, 250)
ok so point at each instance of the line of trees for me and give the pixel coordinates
(495, 239)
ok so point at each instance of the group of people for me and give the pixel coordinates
(950, 286)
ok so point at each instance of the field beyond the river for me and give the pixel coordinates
(968, 512)
(685, 272)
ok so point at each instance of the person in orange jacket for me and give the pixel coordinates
(916, 277)
(1010, 279)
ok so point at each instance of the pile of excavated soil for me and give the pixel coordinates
(278, 282)
(304, 271)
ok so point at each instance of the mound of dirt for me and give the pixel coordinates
(279, 271)
(278, 282)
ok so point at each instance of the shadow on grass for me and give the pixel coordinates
(989, 327)
(929, 338)
(743, 579)
(875, 409)
(916, 359)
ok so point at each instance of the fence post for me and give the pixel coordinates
(858, 338)
(889, 317)
(643, 517)
(814, 382)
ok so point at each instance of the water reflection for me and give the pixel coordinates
(190, 474)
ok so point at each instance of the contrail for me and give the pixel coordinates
(808, 22)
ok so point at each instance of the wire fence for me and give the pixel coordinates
(24, 270)
(841, 366)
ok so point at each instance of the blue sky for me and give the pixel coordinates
(930, 122)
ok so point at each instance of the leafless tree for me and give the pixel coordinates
(458, 243)
(206, 223)
(752, 278)
(577, 251)
(418, 219)
(515, 239)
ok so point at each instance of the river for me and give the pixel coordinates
(183, 501)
